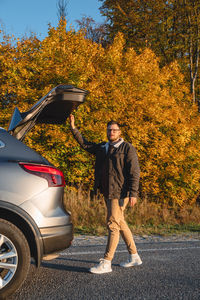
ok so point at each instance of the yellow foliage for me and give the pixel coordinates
(152, 103)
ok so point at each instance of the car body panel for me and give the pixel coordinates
(31, 188)
(18, 186)
(15, 150)
(56, 238)
(14, 213)
(53, 108)
(45, 208)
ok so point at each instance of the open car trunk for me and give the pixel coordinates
(53, 108)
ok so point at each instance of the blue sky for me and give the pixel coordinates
(21, 17)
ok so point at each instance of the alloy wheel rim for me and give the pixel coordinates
(8, 260)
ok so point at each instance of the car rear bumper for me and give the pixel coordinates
(56, 238)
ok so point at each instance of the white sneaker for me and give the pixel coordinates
(104, 266)
(134, 260)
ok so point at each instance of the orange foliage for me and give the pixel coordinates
(152, 103)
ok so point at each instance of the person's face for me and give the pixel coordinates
(113, 132)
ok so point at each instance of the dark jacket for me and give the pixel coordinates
(123, 167)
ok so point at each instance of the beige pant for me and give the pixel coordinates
(116, 224)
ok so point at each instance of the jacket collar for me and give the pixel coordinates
(116, 145)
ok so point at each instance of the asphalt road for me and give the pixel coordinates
(170, 270)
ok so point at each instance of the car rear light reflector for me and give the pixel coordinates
(53, 176)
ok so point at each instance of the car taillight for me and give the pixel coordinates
(53, 176)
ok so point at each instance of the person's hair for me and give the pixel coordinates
(112, 122)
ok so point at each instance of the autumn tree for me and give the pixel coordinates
(151, 102)
(169, 28)
(191, 22)
(92, 31)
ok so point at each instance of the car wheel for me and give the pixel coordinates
(14, 258)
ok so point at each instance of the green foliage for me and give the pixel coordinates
(152, 103)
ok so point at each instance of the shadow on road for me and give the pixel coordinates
(81, 260)
(52, 265)
(64, 267)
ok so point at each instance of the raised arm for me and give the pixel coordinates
(88, 146)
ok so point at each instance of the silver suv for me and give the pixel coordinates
(33, 221)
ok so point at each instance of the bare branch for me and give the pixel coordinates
(62, 9)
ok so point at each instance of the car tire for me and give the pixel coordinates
(14, 258)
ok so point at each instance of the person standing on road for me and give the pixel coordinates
(117, 175)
